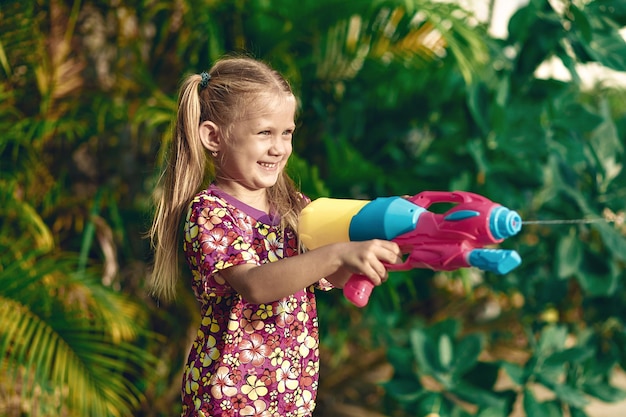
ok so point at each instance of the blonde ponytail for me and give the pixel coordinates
(182, 177)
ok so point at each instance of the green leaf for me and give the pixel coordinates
(576, 117)
(581, 22)
(467, 351)
(515, 372)
(604, 392)
(570, 395)
(578, 412)
(445, 351)
(535, 408)
(615, 242)
(569, 254)
(423, 351)
(490, 412)
(404, 390)
(432, 402)
(552, 339)
(478, 103)
(401, 359)
(483, 375)
(598, 275)
(575, 354)
(451, 327)
(608, 48)
(477, 395)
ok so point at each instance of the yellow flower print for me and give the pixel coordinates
(219, 212)
(209, 310)
(270, 328)
(225, 405)
(191, 231)
(262, 228)
(210, 323)
(277, 356)
(306, 402)
(287, 377)
(265, 311)
(196, 345)
(258, 409)
(232, 360)
(196, 275)
(191, 380)
(210, 352)
(273, 409)
(302, 316)
(307, 344)
(274, 247)
(254, 388)
(283, 307)
(222, 265)
(312, 368)
(240, 244)
(247, 255)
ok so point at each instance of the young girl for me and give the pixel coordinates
(256, 351)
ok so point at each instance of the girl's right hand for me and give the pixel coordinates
(366, 258)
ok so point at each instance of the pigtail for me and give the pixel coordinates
(182, 177)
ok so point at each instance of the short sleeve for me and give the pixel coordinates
(217, 236)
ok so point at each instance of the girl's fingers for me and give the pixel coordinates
(392, 254)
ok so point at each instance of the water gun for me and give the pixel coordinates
(440, 242)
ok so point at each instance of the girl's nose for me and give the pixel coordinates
(280, 146)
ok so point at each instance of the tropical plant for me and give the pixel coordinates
(553, 150)
(71, 343)
(397, 97)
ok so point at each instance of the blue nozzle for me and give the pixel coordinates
(495, 260)
(504, 222)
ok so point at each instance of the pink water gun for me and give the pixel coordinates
(441, 242)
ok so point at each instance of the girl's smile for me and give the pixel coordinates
(256, 152)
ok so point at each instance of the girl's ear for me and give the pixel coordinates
(210, 136)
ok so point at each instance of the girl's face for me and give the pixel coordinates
(258, 150)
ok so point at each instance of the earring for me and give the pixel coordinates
(214, 153)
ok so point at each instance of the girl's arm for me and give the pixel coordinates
(336, 262)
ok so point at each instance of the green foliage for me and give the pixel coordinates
(67, 341)
(397, 97)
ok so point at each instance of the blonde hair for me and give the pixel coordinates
(235, 85)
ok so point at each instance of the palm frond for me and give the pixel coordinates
(411, 32)
(65, 336)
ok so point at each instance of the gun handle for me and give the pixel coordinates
(358, 290)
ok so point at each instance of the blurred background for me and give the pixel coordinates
(523, 102)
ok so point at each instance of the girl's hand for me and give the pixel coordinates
(365, 258)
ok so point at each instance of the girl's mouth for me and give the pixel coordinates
(268, 165)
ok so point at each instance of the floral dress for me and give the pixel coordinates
(247, 359)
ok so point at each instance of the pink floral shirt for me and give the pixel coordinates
(247, 359)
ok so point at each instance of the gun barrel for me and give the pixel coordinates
(504, 222)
